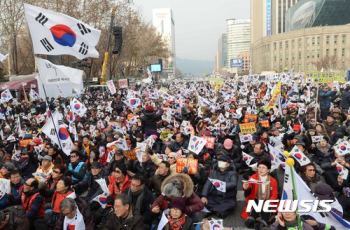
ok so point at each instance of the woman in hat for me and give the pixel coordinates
(177, 219)
(257, 192)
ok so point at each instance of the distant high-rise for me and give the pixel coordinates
(222, 52)
(238, 39)
(268, 17)
(163, 21)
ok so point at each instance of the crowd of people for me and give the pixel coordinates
(145, 186)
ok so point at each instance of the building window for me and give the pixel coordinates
(343, 39)
(327, 52)
(318, 40)
(313, 41)
(335, 39)
(274, 46)
(343, 52)
(318, 53)
(280, 45)
(335, 52)
(293, 43)
(308, 41)
(299, 55)
(308, 54)
(313, 54)
(286, 44)
(275, 58)
(299, 41)
(327, 40)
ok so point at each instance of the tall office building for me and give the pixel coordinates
(268, 17)
(222, 53)
(163, 21)
(238, 40)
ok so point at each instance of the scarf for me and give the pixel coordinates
(266, 194)
(139, 197)
(118, 185)
(176, 224)
(76, 223)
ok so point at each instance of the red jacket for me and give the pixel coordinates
(125, 184)
(34, 204)
(254, 190)
(57, 199)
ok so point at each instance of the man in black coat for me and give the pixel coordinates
(141, 198)
(149, 121)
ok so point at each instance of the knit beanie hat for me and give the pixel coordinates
(178, 202)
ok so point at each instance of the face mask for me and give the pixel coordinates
(222, 164)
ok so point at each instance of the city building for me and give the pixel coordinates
(312, 13)
(163, 21)
(238, 41)
(222, 53)
(245, 57)
(268, 17)
(301, 49)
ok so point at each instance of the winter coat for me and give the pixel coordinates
(277, 226)
(156, 160)
(149, 121)
(253, 190)
(156, 182)
(325, 98)
(229, 176)
(134, 221)
(34, 206)
(192, 201)
(331, 128)
(235, 154)
(319, 153)
(90, 184)
(188, 225)
(125, 184)
(84, 210)
(177, 146)
(147, 200)
(17, 221)
(345, 100)
(145, 168)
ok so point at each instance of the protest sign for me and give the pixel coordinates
(24, 142)
(248, 116)
(265, 123)
(192, 164)
(248, 128)
(123, 83)
(210, 142)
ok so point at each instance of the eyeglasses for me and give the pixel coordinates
(58, 172)
(171, 158)
(72, 156)
(117, 171)
(311, 170)
(29, 185)
(135, 186)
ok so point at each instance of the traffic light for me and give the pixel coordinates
(118, 39)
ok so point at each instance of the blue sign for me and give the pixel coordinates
(156, 68)
(268, 17)
(236, 62)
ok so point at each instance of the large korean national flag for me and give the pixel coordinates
(55, 34)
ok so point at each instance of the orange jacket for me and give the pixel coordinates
(125, 184)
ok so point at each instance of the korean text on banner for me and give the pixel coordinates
(192, 164)
(123, 83)
(248, 116)
(111, 87)
(210, 142)
(248, 128)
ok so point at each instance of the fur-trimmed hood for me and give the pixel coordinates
(179, 180)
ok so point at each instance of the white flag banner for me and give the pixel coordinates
(196, 144)
(216, 224)
(218, 184)
(343, 172)
(63, 134)
(342, 148)
(77, 107)
(101, 199)
(149, 141)
(111, 87)
(3, 57)
(247, 158)
(51, 74)
(33, 95)
(149, 77)
(5, 187)
(56, 33)
(50, 132)
(110, 155)
(121, 143)
(141, 145)
(303, 192)
(132, 102)
(246, 138)
(299, 156)
(164, 220)
(316, 139)
(6, 95)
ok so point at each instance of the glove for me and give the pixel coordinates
(185, 170)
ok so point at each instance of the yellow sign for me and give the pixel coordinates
(247, 128)
(165, 90)
(275, 94)
(339, 77)
(216, 81)
(322, 77)
(164, 135)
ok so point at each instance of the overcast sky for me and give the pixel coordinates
(198, 23)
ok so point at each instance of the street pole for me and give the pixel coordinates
(104, 66)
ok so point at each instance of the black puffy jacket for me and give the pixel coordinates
(345, 100)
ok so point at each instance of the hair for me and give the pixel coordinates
(125, 199)
(140, 178)
(53, 147)
(181, 134)
(76, 152)
(67, 181)
(61, 168)
(122, 168)
(35, 183)
(86, 136)
(303, 168)
(262, 145)
(14, 172)
(68, 203)
(167, 164)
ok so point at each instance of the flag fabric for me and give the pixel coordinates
(216, 224)
(3, 57)
(247, 158)
(109, 106)
(33, 95)
(56, 33)
(63, 135)
(6, 95)
(116, 127)
(343, 172)
(149, 77)
(133, 102)
(19, 130)
(77, 107)
(196, 144)
(274, 156)
(50, 131)
(51, 74)
(111, 87)
(246, 138)
(342, 147)
(110, 155)
(316, 139)
(102, 198)
(303, 192)
(299, 156)
(218, 184)
(120, 143)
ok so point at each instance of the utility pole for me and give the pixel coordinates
(104, 66)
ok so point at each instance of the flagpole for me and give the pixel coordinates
(316, 101)
(25, 95)
(290, 162)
